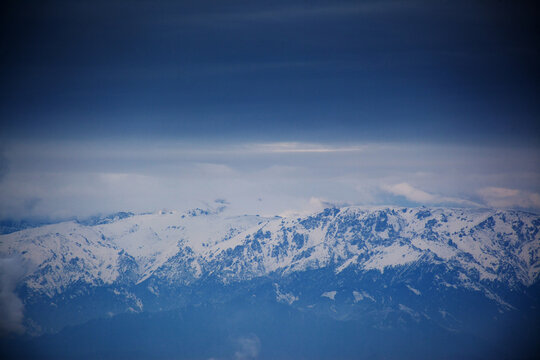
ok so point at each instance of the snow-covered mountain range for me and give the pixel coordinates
(346, 262)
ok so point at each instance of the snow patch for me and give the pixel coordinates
(415, 291)
(329, 294)
(283, 297)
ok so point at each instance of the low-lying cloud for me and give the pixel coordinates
(248, 347)
(11, 307)
(419, 196)
(510, 198)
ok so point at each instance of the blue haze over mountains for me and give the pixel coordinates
(252, 180)
(345, 282)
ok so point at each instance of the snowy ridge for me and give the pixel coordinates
(480, 245)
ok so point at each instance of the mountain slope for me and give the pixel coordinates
(387, 265)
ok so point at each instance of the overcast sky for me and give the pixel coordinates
(281, 107)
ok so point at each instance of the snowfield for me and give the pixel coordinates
(486, 245)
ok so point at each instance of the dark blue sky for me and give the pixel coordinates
(431, 71)
(277, 107)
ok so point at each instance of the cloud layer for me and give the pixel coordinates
(67, 179)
